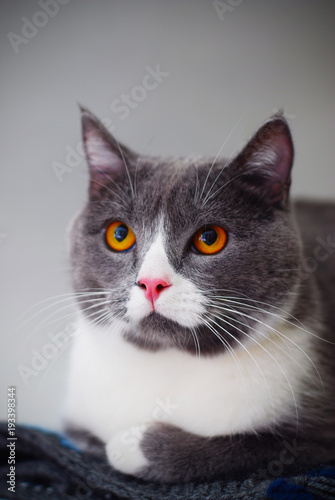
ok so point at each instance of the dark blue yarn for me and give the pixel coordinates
(280, 489)
(329, 472)
(64, 441)
(68, 444)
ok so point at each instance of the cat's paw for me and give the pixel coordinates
(124, 450)
(156, 452)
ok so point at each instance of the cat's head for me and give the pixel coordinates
(186, 253)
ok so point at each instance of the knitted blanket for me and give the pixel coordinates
(49, 467)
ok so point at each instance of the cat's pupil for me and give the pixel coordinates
(209, 236)
(121, 233)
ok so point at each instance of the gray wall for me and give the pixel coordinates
(222, 73)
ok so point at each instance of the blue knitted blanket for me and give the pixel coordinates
(48, 467)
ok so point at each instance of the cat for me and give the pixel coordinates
(206, 298)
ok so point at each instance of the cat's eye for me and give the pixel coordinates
(210, 240)
(120, 237)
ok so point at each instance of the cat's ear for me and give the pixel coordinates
(267, 161)
(107, 159)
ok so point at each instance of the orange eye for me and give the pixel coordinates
(210, 239)
(120, 237)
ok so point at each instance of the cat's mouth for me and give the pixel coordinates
(156, 332)
(157, 322)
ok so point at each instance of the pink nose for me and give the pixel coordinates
(153, 287)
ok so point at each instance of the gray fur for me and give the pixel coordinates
(270, 240)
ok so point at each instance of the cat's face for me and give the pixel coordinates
(186, 253)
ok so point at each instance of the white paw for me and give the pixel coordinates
(123, 450)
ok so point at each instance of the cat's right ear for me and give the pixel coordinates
(265, 163)
(106, 158)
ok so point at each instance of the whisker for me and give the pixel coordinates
(220, 189)
(196, 341)
(126, 167)
(52, 303)
(218, 154)
(227, 163)
(96, 303)
(225, 343)
(282, 318)
(113, 182)
(64, 349)
(246, 298)
(196, 196)
(271, 356)
(282, 336)
(138, 163)
(254, 361)
(109, 190)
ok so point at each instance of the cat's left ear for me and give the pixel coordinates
(267, 161)
(107, 159)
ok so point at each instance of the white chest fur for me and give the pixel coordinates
(115, 385)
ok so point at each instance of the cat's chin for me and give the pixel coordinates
(155, 332)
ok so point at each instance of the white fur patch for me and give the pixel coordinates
(115, 385)
(123, 450)
(182, 301)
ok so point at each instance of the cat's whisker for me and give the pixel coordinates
(226, 165)
(126, 167)
(278, 332)
(98, 317)
(250, 337)
(71, 305)
(225, 343)
(298, 323)
(196, 196)
(138, 161)
(242, 313)
(246, 299)
(283, 338)
(252, 358)
(220, 188)
(110, 191)
(196, 341)
(96, 303)
(67, 297)
(113, 182)
(219, 153)
(72, 339)
(105, 317)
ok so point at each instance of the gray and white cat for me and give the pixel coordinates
(206, 324)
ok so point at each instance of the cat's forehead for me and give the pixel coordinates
(171, 179)
(177, 193)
